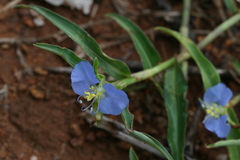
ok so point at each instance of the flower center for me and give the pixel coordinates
(213, 109)
(93, 94)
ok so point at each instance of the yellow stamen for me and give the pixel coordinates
(98, 94)
(208, 111)
(89, 96)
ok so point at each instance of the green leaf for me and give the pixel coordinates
(115, 68)
(231, 5)
(225, 25)
(152, 142)
(95, 68)
(233, 142)
(175, 87)
(127, 118)
(209, 74)
(149, 55)
(234, 151)
(68, 55)
(146, 50)
(235, 64)
(132, 154)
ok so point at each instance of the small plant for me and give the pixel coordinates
(107, 97)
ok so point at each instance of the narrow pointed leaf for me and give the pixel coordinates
(146, 50)
(175, 87)
(152, 142)
(235, 64)
(115, 68)
(132, 154)
(127, 118)
(68, 55)
(209, 74)
(149, 55)
(234, 151)
(233, 142)
(231, 5)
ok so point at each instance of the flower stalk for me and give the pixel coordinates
(148, 73)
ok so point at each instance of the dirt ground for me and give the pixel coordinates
(40, 118)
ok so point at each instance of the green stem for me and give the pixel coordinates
(219, 30)
(145, 74)
(185, 18)
(230, 106)
(184, 30)
(234, 101)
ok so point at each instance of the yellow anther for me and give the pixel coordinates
(95, 94)
(99, 94)
(208, 111)
(89, 96)
(215, 116)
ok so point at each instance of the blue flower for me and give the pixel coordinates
(214, 100)
(108, 98)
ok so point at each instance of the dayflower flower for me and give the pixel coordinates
(106, 97)
(214, 100)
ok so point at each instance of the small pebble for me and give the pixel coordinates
(75, 130)
(39, 22)
(40, 71)
(24, 48)
(33, 158)
(37, 94)
(222, 157)
(5, 46)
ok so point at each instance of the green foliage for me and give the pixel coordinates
(175, 87)
(235, 64)
(127, 118)
(233, 142)
(115, 68)
(132, 154)
(234, 151)
(146, 50)
(225, 25)
(175, 84)
(152, 142)
(68, 55)
(149, 55)
(209, 74)
(231, 5)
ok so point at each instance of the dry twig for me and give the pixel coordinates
(9, 5)
(4, 96)
(119, 131)
(23, 62)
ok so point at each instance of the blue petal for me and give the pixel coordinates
(219, 94)
(83, 77)
(217, 125)
(114, 101)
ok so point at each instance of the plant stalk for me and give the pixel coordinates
(145, 74)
